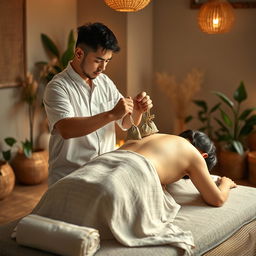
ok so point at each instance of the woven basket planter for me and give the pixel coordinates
(7, 179)
(33, 170)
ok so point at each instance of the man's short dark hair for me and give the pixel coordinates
(203, 143)
(96, 35)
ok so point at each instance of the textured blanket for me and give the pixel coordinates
(119, 194)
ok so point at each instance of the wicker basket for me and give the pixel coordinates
(127, 5)
(33, 170)
(7, 179)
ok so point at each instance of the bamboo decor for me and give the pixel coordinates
(127, 5)
(216, 16)
(180, 94)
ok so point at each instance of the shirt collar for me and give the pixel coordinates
(75, 76)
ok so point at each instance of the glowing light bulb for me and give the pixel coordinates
(216, 22)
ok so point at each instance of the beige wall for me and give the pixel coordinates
(179, 46)
(139, 51)
(54, 18)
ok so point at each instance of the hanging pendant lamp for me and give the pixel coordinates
(127, 5)
(216, 16)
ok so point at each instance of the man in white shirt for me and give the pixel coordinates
(83, 104)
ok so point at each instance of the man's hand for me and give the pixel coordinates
(142, 102)
(122, 108)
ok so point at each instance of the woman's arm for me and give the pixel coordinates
(212, 193)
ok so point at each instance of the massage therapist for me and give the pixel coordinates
(82, 104)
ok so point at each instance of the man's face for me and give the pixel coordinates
(93, 63)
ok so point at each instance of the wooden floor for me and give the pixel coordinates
(23, 199)
(20, 202)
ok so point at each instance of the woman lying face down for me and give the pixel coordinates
(192, 153)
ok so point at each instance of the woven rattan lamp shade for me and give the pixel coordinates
(127, 5)
(216, 16)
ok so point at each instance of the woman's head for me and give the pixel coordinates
(203, 143)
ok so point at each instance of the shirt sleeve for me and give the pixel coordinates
(57, 104)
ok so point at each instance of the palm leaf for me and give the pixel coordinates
(226, 118)
(238, 147)
(69, 53)
(188, 119)
(223, 127)
(202, 116)
(225, 99)
(10, 141)
(27, 148)
(66, 57)
(71, 40)
(214, 108)
(245, 130)
(240, 93)
(246, 113)
(50, 45)
(251, 120)
(7, 155)
(202, 104)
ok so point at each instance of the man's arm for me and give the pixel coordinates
(73, 127)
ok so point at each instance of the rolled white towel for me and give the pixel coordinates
(57, 236)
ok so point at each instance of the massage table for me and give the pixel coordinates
(226, 230)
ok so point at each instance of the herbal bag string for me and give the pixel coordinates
(133, 132)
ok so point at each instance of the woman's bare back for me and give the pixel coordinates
(168, 154)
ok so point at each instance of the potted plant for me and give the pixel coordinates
(234, 126)
(57, 61)
(204, 115)
(7, 177)
(30, 164)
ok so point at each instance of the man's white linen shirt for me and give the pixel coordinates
(68, 95)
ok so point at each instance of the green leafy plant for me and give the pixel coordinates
(234, 126)
(7, 153)
(29, 95)
(204, 115)
(57, 61)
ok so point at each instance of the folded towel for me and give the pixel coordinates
(57, 236)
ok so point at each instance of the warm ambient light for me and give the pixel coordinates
(216, 16)
(119, 143)
(127, 5)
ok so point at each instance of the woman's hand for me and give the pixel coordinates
(227, 182)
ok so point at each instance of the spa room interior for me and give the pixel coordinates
(196, 59)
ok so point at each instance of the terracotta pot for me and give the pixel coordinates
(7, 179)
(251, 141)
(33, 170)
(232, 164)
(252, 167)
